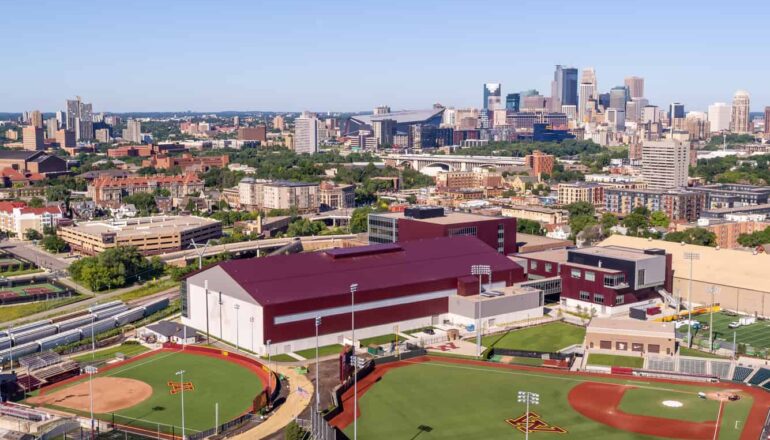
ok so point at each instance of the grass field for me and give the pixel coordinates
(130, 350)
(757, 335)
(147, 289)
(441, 400)
(326, 350)
(379, 340)
(610, 360)
(9, 313)
(215, 380)
(549, 337)
(684, 351)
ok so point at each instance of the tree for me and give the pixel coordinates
(529, 227)
(697, 236)
(53, 244)
(36, 202)
(659, 219)
(608, 221)
(755, 239)
(304, 227)
(637, 221)
(144, 203)
(359, 219)
(581, 208)
(32, 234)
(114, 267)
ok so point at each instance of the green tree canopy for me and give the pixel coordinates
(697, 236)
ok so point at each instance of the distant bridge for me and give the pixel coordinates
(452, 162)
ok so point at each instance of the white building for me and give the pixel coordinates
(740, 121)
(665, 164)
(616, 119)
(719, 115)
(306, 134)
(133, 131)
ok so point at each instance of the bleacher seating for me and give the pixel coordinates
(40, 360)
(720, 369)
(760, 376)
(692, 366)
(661, 364)
(741, 373)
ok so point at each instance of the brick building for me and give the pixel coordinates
(187, 162)
(540, 163)
(110, 191)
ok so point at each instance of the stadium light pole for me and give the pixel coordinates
(93, 340)
(353, 288)
(713, 290)
(180, 373)
(251, 320)
(237, 329)
(528, 398)
(208, 333)
(317, 384)
(692, 256)
(480, 270)
(91, 370)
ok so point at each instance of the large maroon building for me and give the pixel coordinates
(400, 286)
(430, 222)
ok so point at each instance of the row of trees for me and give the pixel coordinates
(115, 267)
(755, 239)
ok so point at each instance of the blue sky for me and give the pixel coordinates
(352, 55)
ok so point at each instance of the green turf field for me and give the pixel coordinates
(757, 335)
(215, 380)
(380, 340)
(610, 360)
(440, 400)
(129, 350)
(326, 350)
(549, 337)
(684, 351)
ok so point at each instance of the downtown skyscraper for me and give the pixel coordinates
(492, 96)
(80, 119)
(564, 88)
(587, 94)
(740, 121)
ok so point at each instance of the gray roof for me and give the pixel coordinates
(401, 117)
(169, 329)
(18, 154)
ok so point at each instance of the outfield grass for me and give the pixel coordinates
(215, 380)
(326, 350)
(130, 350)
(684, 351)
(379, 340)
(10, 313)
(440, 400)
(550, 337)
(610, 360)
(757, 335)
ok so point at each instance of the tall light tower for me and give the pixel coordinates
(692, 256)
(713, 290)
(353, 288)
(528, 398)
(91, 370)
(317, 383)
(180, 373)
(480, 270)
(237, 329)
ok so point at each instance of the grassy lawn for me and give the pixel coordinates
(610, 360)
(757, 335)
(9, 313)
(326, 350)
(431, 400)
(20, 272)
(549, 337)
(130, 350)
(684, 351)
(149, 288)
(280, 358)
(637, 401)
(379, 340)
(215, 380)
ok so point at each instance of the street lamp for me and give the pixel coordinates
(353, 288)
(317, 383)
(237, 330)
(91, 370)
(480, 270)
(180, 373)
(692, 256)
(251, 320)
(712, 290)
(201, 252)
(528, 398)
(208, 333)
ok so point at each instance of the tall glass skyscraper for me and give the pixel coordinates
(564, 88)
(513, 102)
(492, 96)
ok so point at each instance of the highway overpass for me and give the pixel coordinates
(452, 162)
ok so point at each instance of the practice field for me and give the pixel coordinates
(757, 335)
(439, 398)
(145, 392)
(550, 337)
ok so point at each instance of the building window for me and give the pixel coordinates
(590, 276)
(533, 264)
(653, 348)
(621, 346)
(640, 277)
(548, 267)
(585, 296)
(620, 299)
(614, 280)
(467, 230)
(637, 347)
(575, 273)
(605, 345)
(598, 298)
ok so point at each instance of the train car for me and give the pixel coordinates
(98, 327)
(155, 306)
(108, 313)
(18, 352)
(74, 323)
(33, 335)
(56, 340)
(129, 316)
(104, 306)
(31, 326)
(5, 343)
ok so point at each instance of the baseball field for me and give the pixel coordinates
(146, 391)
(440, 398)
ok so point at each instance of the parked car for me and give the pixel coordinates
(734, 324)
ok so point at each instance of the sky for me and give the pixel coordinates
(328, 55)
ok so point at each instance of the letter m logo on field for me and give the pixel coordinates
(536, 424)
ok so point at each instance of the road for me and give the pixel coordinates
(36, 255)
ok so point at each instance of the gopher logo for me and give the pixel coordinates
(177, 387)
(536, 424)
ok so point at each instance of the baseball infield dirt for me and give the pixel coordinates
(110, 394)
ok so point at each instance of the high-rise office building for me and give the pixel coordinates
(65, 138)
(32, 138)
(36, 119)
(492, 96)
(676, 111)
(564, 88)
(665, 164)
(80, 119)
(61, 118)
(279, 123)
(616, 118)
(635, 86)
(719, 115)
(632, 111)
(133, 131)
(384, 129)
(306, 134)
(650, 113)
(51, 125)
(513, 102)
(740, 120)
(767, 121)
(381, 110)
(618, 97)
(587, 93)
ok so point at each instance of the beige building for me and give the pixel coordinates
(727, 232)
(740, 277)
(547, 216)
(333, 196)
(18, 218)
(32, 138)
(150, 235)
(631, 336)
(581, 192)
(65, 138)
(665, 164)
(291, 195)
(740, 121)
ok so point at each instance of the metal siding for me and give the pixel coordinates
(33, 335)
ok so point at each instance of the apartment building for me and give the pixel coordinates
(547, 216)
(187, 162)
(665, 164)
(334, 196)
(110, 191)
(18, 218)
(726, 231)
(569, 193)
(679, 205)
(299, 196)
(731, 195)
(150, 235)
(540, 163)
(468, 179)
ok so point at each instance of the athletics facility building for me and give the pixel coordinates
(401, 286)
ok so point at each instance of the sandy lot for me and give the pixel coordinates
(110, 394)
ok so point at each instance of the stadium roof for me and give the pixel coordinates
(288, 278)
(401, 117)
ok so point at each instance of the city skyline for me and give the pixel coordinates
(239, 56)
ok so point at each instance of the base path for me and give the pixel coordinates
(600, 402)
(110, 394)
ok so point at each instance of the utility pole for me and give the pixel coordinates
(317, 383)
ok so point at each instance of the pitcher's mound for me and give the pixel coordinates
(110, 394)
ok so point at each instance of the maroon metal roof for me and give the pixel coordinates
(288, 278)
